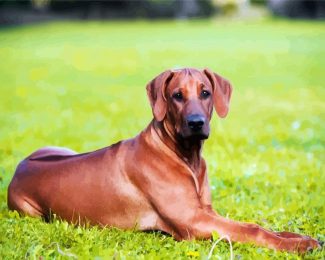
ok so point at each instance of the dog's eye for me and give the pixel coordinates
(178, 96)
(205, 94)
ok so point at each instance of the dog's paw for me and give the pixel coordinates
(308, 244)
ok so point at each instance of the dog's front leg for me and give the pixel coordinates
(180, 209)
(253, 233)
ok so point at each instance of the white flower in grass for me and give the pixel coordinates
(295, 125)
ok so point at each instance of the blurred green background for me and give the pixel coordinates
(82, 85)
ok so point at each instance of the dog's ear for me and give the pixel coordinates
(156, 94)
(221, 92)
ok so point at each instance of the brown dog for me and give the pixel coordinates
(155, 181)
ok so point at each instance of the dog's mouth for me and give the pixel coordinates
(185, 132)
(198, 136)
(194, 136)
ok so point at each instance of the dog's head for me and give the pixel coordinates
(186, 97)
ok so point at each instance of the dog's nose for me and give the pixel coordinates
(195, 122)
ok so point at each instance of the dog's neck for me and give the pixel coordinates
(188, 150)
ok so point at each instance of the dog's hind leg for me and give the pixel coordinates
(23, 205)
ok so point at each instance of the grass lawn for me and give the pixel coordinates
(82, 85)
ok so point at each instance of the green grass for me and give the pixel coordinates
(82, 85)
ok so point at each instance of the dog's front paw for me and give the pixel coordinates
(307, 244)
(296, 243)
